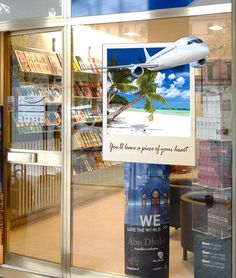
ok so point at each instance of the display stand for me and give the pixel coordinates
(36, 75)
(212, 244)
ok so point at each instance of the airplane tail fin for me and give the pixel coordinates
(147, 56)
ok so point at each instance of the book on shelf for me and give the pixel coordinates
(52, 119)
(86, 114)
(81, 63)
(39, 62)
(23, 63)
(75, 65)
(36, 62)
(30, 61)
(55, 64)
(87, 162)
(43, 61)
(59, 56)
(87, 89)
(97, 88)
(95, 64)
(52, 93)
(87, 138)
(87, 64)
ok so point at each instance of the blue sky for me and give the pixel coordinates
(173, 84)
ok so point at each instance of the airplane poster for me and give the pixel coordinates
(148, 114)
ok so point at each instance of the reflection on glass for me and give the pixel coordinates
(15, 9)
(34, 110)
(34, 208)
(211, 206)
(102, 7)
(36, 92)
(97, 189)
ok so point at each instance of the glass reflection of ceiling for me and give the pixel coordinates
(4, 8)
(21, 9)
(103, 7)
(208, 2)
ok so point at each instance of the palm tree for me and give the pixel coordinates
(120, 80)
(146, 89)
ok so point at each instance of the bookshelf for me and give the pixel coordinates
(36, 126)
(87, 119)
(37, 93)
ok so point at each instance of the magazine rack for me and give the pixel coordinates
(37, 73)
(87, 119)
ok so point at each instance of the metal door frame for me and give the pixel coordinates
(12, 261)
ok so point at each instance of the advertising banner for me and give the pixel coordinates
(147, 220)
(148, 107)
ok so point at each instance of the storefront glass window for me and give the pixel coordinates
(14, 9)
(200, 196)
(102, 7)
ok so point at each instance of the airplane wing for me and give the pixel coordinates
(130, 66)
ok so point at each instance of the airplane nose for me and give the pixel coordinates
(205, 49)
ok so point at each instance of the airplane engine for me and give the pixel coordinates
(199, 64)
(137, 71)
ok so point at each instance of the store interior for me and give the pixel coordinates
(97, 191)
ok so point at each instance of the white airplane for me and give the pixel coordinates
(187, 50)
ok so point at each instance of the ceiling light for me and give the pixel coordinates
(215, 28)
(132, 34)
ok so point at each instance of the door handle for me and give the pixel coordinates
(22, 157)
(41, 158)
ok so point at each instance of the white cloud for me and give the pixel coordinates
(179, 81)
(185, 74)
(185, 94)
(171, 76)
(168, 93)
(161, 90)
(160, 78)
(173, 92)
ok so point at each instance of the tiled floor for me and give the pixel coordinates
(98, 235)
(97, 229)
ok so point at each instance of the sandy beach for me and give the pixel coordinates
(136, 123)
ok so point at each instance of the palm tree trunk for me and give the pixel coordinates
(110, 96)
(113, 115)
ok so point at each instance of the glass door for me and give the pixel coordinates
(200, 197)
(33, 142)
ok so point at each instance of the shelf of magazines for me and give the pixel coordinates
(36, 78)
(87, 116)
